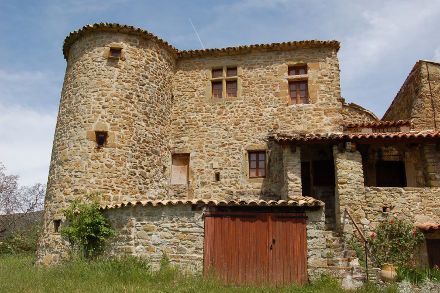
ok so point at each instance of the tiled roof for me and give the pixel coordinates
(112, 27)
(300, 201)
(272, 46)
(378, 124)
(428, 227)
(128, 29)
(310, 138)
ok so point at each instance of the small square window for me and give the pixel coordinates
(231, 88)
(217, 88)
(257, 164)
(232, 71)
(101, 138)
(297, 70)
(217, 73)
(115, 53)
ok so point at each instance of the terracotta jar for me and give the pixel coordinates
(388, 273)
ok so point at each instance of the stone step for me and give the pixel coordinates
(338, 261)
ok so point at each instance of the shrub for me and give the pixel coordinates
(87, 229)
(21, 241)
(395, 242)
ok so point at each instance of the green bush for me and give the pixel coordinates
(395, 242)
(86, 227)
(21, 241)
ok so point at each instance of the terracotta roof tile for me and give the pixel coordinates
(300, 201)
(309, 137)
(378, 124)
(128, 29)
(272, 46)
(112, 27)
(428, 227)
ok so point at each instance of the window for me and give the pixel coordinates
(224, 82)
(298, 89)
(217, 89)
(390, 174)
(101, 138)
(180, 169)
(298, 92)
(297, 70)
(115, 53)
(56, 225)
(257, 164)
(231, 88)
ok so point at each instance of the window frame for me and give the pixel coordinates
(226, 80)
(298, 78)
(297, 97)
(257, 166)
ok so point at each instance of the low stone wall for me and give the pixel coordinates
(316, 243)
(149, 232)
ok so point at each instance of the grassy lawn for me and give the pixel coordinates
(18, 274)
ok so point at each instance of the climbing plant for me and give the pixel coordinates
(86, 227)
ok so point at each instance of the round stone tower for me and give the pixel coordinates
(113, 123)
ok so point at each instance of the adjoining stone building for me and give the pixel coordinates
(241, 159)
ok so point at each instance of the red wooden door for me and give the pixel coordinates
(243, 248)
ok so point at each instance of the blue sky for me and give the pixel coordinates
(380, 42)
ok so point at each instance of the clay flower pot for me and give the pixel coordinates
(388, 273)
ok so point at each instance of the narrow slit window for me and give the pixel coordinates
(217, 176)
(217, 89)
(115, 53)
(231, 88)
(257, 164)
(56, 225)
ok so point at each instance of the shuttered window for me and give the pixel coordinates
(231, 88)
(217, 89)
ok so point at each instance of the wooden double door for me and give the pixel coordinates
(246, 247)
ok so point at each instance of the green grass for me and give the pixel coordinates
(18, 274)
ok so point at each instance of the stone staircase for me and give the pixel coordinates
(343, 264)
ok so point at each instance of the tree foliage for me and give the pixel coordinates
(86, 227)
(16, 203)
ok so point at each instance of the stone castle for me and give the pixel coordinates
(185, 146)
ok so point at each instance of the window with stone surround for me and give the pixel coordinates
(180, 169)
(257, 164)
(224, 82)
(298, 84)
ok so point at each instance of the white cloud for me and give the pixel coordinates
(389, 26)
(26, 142)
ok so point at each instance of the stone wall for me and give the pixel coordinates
(129, 99)
(370, 205)
(220, 132)
(149, 232)
(353, 113)
(316, 243)
(419, 97)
